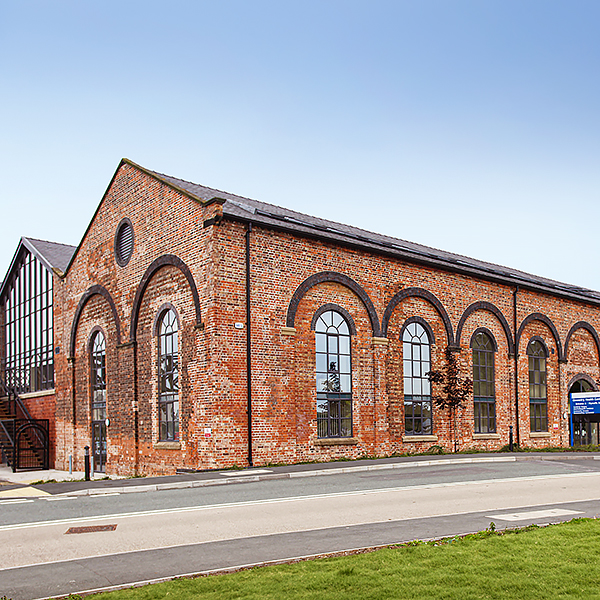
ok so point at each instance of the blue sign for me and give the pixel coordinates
(586, 403)
(583, 403)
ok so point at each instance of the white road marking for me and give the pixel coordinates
(208, 507)
(535, 514)
(15, 501)
(57, 498)
(245, 473)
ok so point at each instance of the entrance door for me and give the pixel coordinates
(586, 427)
(99, 445)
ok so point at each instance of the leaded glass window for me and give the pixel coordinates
(168, 378)
(334, 376)
(538, 394)
(416, 351)
(484, 394)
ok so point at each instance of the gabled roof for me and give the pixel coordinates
(55, 257)
(52, 254)
(269, 215)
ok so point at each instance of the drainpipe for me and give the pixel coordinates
(248, 346)
(516, 365)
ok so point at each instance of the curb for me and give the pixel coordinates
(157, 487)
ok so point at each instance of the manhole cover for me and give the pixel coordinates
(91, 529)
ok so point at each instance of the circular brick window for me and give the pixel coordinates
(124, 242)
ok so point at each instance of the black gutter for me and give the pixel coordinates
(248, 345)
(516, 290)
(416, 257)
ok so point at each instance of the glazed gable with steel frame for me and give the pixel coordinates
(296, 338)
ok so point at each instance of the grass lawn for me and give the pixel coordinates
(559, 561)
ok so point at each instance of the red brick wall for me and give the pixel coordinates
(213, 356)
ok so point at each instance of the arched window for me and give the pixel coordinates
(98, 385)
(484, 395)
(334, 376)
(416, 349)
(168, 377)
(538, 395)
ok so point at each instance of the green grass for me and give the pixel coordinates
(555, 562)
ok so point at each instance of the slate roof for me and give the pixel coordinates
(52, 255)
(56, 256)
(276, 217)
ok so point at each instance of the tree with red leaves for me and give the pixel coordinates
(454, 391)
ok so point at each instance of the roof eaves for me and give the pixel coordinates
(416, 255)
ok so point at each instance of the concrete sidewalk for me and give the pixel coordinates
(54, 482)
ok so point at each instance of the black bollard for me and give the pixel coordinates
(87, 463)
(510, 438)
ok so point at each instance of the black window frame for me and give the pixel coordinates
(537, 355)
(168, 376)
(484, 383)
(416, 362)
(333, 374)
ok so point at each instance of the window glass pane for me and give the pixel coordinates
(344, 364)
(332, 344)
(345, 385)
(321, 363)
(321, 341)
(344, 343)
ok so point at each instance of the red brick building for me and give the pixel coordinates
(195, 329)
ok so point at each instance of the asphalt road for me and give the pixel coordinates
(156, 535)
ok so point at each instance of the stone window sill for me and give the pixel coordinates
(539, 434)
(407, 439)
(167, 446)
(346, 441)
(39, 394)
(486, 436)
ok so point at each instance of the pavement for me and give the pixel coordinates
(54, 482)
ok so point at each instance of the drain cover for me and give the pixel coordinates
(91, 529)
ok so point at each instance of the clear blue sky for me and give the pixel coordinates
(472, 126)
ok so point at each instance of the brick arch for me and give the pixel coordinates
(489, 307)
(167, 260)
(582, 325)
(332, 277)
(417, 293)
(585, 377)
(95, 290)
(543, 319)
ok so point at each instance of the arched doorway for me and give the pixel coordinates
(585, 426)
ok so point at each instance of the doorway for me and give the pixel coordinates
(586, 427)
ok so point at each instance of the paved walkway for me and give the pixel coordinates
(53, 482)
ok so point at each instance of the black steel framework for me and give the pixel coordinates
(416, 349)
(333, 376)
(484, 394)
(28, 361)
(168, 377)
(538, 394)
(98, 407)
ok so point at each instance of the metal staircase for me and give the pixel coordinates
(24, 441)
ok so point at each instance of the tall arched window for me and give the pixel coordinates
(538, 395)
(98, 385)
(484, 395)
(334, 376)
(416, 349)
(168, 377)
